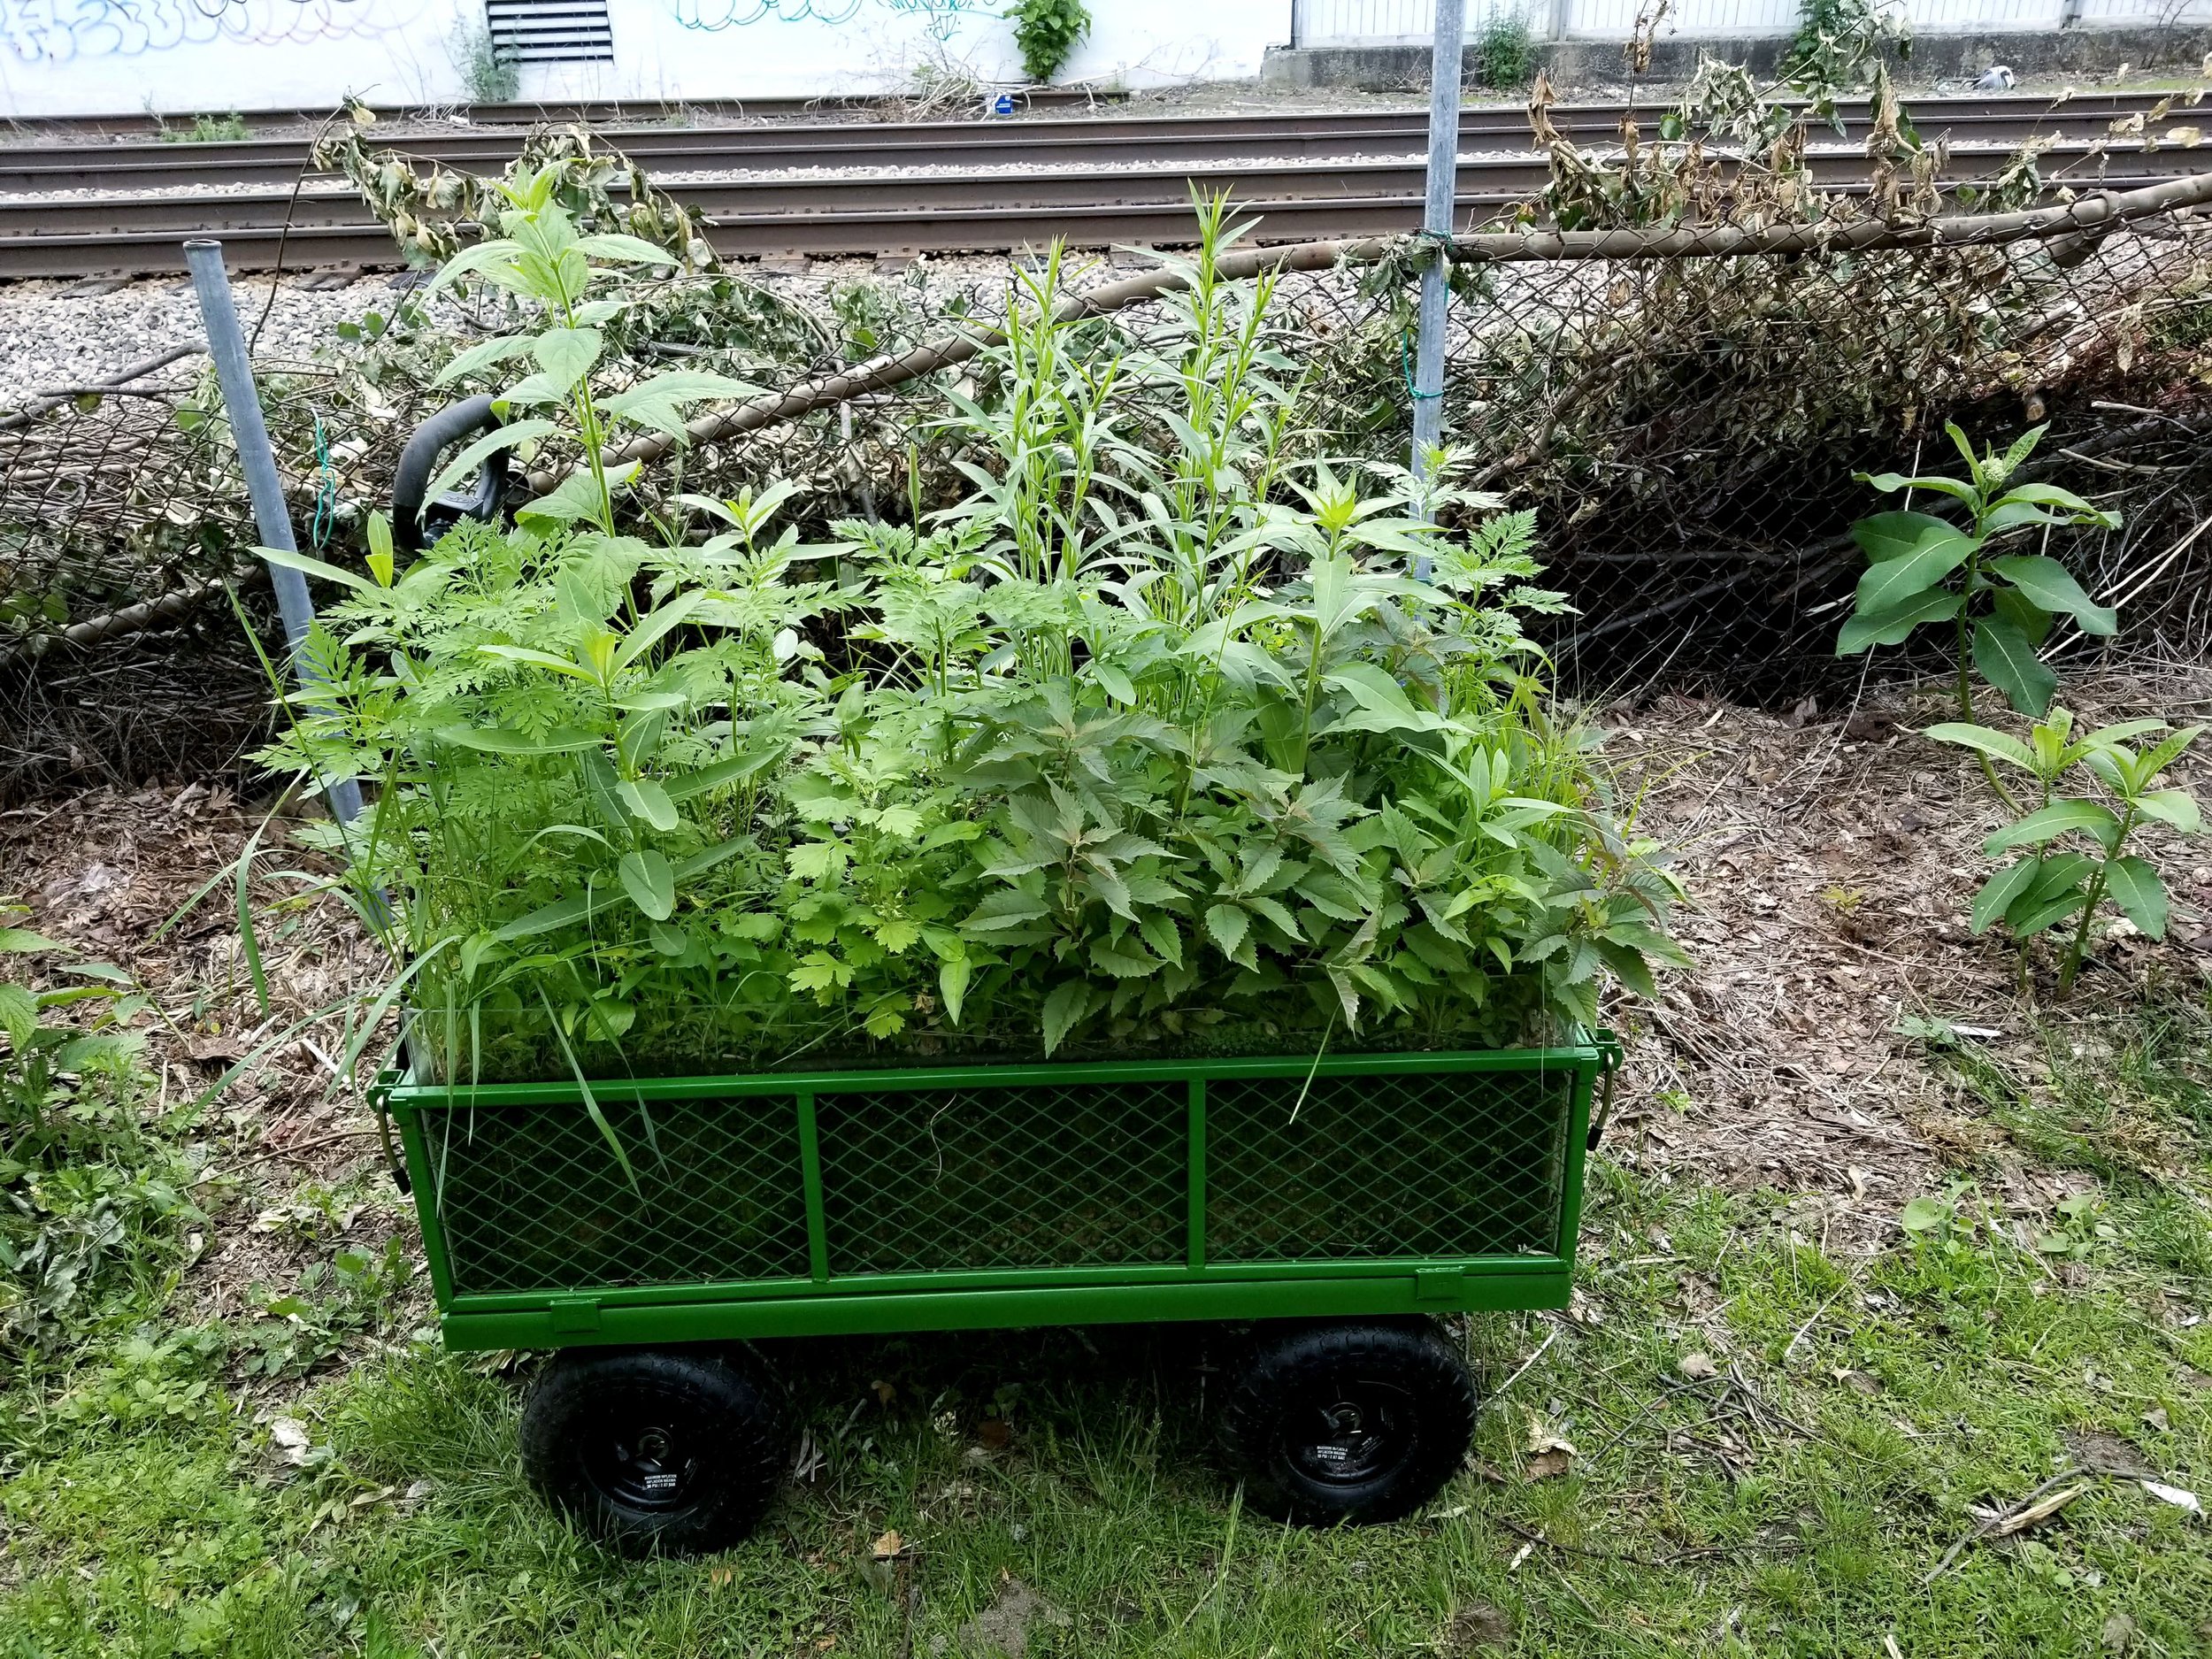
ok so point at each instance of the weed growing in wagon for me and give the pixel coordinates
(1152, 741)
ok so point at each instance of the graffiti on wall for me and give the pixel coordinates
(59, 31)
(939, 18)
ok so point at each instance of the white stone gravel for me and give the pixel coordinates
(49, 339)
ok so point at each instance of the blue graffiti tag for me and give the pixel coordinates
(941, 18)
(713, 16)
(57, 31)
(943, 15)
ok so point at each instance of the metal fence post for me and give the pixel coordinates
(227, 346)
(1446, 55)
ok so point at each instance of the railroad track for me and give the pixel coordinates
(137, 125)
(993, 185)
(1103, 141)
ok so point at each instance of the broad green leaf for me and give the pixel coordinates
(1123, 959)
(734, 770)
(497, 739)
(19, 1015)
(2052, 588)
(1895, 625)
(473, 457)
(1890, 483)
(1926, 1215)
(564, 356)
(2050, 496)
(2065, 817)
(1160, 932)
(2023, 612)
(482, 355)
(2009, 662)
(1116, 684)
(2176, 808)
(1998, 892)
(655, 625)
(2135, 887)
(953, 974)
(658, 402)
(649, 802)
(540, 659)
(485, 256)
(1067, 1004)
(1998, 745)
(1228, 925)
(575, 496)
(2031, 916)
(626, 249)
(315, 567)
(23, 938)
(1893, 536)
(648, 877)
(1902, 572)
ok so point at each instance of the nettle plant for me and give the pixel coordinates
(1152, 743)
(2000, 605)
(2072, 848)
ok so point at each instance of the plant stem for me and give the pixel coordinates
(2071, 964)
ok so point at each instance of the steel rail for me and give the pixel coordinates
(1111, 141)
(598, 112)
(863, 213)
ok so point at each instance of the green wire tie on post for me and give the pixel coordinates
(1442, 247)
(1405, 367)
(325, 492)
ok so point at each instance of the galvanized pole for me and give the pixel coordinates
(1436, 222)
(227, 346)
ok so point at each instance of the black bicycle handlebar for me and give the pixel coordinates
(417, 522)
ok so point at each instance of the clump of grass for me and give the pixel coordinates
(205, 129)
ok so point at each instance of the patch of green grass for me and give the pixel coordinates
(1777, 1446)
(206, 129)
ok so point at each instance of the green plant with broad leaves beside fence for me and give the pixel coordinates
(1924, 571)
(2073, 849)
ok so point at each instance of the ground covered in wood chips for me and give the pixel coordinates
(1888, 1336)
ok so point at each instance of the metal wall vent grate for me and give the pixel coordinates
(549, 31)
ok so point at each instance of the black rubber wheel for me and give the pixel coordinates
(657, 1451)
(1356, 1421)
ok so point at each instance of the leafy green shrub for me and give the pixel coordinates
(1151, 742)
(2000, 606)
(88, 1201)
(1505, 54)
(2043, 888)
(1045, 31)
(491, 78)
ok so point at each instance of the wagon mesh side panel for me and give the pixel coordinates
(1428, 1164)
(532, 1198)
(1077, 1175)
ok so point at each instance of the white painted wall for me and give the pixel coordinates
(1354, 22)
(104, 57)
(110, 56)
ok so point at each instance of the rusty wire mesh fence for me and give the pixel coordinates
(1687, 428)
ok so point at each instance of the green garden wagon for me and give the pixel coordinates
(651, 1229)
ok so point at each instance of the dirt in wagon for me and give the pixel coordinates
(1829, 856)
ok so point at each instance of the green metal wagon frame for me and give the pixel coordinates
(657, 1217)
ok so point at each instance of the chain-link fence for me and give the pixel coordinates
(1686, 410)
